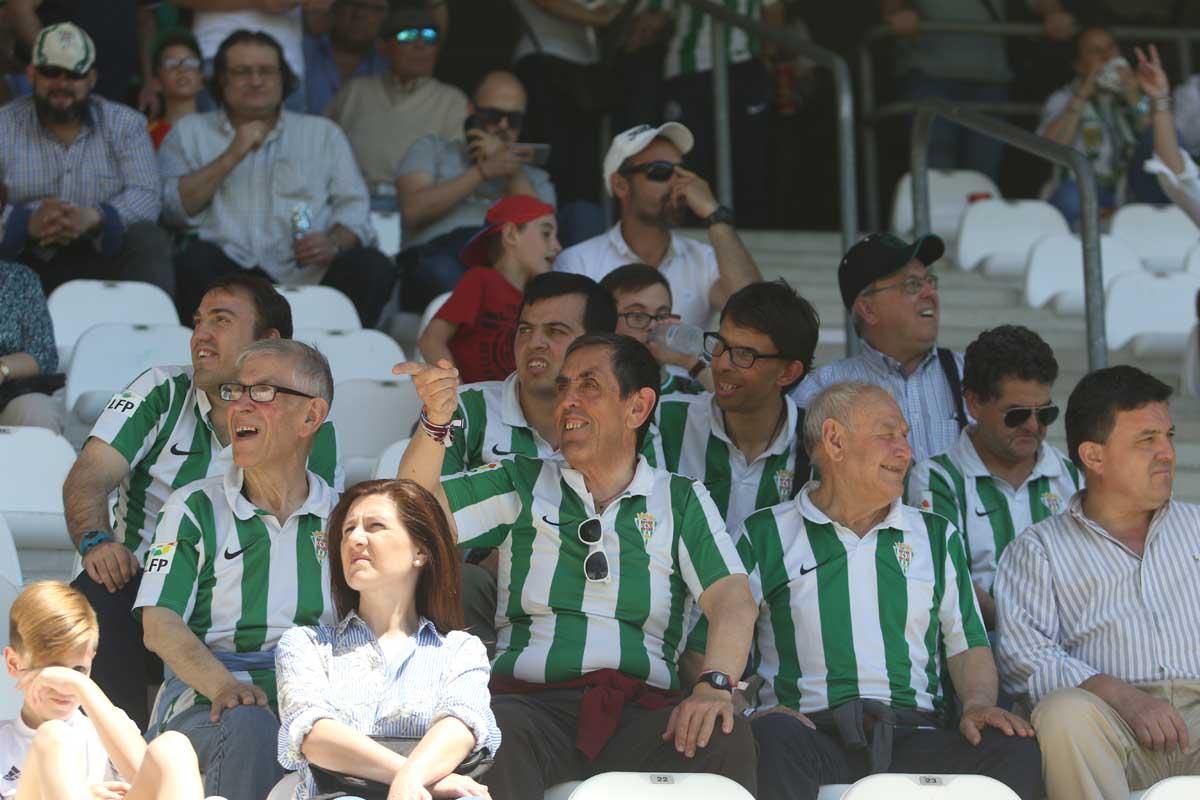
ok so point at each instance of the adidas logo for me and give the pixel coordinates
(13, 775)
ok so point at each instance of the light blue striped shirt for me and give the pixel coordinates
(341, 673)
(924, 396)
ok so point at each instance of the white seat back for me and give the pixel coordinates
(389, 461)
(31, 492)
(286, 787)
(1189, 371)
(387, 231)
(997, 234)
(369, 415)
(77, 305)
(434, 306)
(561, 791)
(320, 307)
(10, 567)
(833, 791)
(1054, 270)
(895, 786)
(1153, 312)
(1183, 787)
(659, 786)
(948, 193)
(1160, 235)
(355, 353)
(109, 356)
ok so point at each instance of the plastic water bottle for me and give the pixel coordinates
(301, 221)
(682, 338)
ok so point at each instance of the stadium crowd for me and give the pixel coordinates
(606, 548)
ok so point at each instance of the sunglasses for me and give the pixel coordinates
(595, 566)
(190, 62)
(56, 73)
(1016, 417)
(657, 171)
(411, 35)
(259, 392)
(493, 116)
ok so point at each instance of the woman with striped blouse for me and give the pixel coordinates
(396, 665)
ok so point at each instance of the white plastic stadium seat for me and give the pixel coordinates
(948, 193)
(1160, 235)
(355, 353)
(1189, 371)
(434, 305)
(109, 356)
(659, 786)
(370, 415)
(561, 791)
(320, 307)
(1154, 312)
(895, 786)
(834, 791)
(37, 462)
(10, 698)
(286, 787)
(1182, 787)
(1054, 270)
(10, 567)
(997, 234)
(77, 305)
(387, 231)
(389, 461)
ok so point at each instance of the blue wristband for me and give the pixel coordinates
(93, 539)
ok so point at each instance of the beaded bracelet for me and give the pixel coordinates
(442, 434)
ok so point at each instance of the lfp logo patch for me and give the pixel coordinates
(159, 558)
(646, 524)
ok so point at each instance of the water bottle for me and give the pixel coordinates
(683, 338)
(301, 221)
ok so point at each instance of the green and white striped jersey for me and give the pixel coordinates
(695, 444)
(842, 617)
(494, 427)
(236, 575)
(665, 544)
(988, 511)
(160, 425)
(690, 49)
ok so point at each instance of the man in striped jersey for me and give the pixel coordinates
(1099, 607)
(862, 597)
(1000, 476)
(167, 429)
(237, 559)
(601, 558)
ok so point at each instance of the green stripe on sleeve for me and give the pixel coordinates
(204, 543)
(463, 454)
(973, 626)
(892, 597)
(140, 478)
(699, 529)
(833, 599)
(486, 502)
(933, 633)
(633, 592)
(148, 416)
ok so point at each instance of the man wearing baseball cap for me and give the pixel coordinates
(644, 171)
(83, 193)
(891, 296)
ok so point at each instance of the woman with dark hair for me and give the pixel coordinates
(395, 666)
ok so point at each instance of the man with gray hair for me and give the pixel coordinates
(237, 559)
(859, 597)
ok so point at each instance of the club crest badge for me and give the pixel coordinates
(320, 545)
(904, 555)
(1052, 502)
(783, 482)
(646, 523)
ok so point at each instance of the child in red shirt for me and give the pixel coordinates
(475, 327)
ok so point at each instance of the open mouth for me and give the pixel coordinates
(928, 313)
(537, 364)
(203, 353)
(245, 432)
(898, 471)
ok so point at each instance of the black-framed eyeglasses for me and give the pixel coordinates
(56, 73)
(259, 392)
(595, 566)
(657, 171)
(187, 62)
(640, 320)
(493, 116)
(744, 357)
(1016, 417)
(428, 35)
(911, 285)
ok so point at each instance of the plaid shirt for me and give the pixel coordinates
(109, 166)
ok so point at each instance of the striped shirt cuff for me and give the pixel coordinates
(298, 727)
(470, 715)
(1061, 673)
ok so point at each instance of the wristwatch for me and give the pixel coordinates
(697, 368)
(723, 215)
(716, 679)
(93, 539)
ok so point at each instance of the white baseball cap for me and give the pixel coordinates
(635, 140)
(64, 45)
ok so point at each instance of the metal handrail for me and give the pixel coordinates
(838, 66)
(1069, 157)
(870, 115)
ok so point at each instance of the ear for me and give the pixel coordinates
(1092, 456)
(509, 235)
(91, 81)
(791, 373)
(640, 407)
(315, 416)
(833, 439)
(273, 333)
(973, 403)
(865, 310)
(12, 662)
(619, 184)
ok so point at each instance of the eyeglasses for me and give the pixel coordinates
(411, 35)
(57, 73)
(492, 116)
(595, 566)
(744, 357)
(1016, 417)
(259, 392)
(640, 320)
(188, 62)
(657, 171)
(911, 285)
(243, 73)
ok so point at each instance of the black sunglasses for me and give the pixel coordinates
(595, 566)
(1016, 417)
(492, 116)
(54, 73)
(657, 171)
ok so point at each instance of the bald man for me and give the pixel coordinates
(446, 186)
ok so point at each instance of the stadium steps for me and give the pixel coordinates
(970, 302)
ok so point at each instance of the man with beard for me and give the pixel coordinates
(644, 171)
(347, 51)
(83, 189)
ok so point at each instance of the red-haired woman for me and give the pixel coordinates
(395, 666)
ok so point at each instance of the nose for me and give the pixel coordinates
(243, 404)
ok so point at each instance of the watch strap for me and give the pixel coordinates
(723, 215)
(716, 679)
(93, 539)
(697, 368)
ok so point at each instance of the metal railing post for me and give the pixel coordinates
(724, 136)
(870, 148)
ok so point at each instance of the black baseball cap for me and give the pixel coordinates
(880, 255)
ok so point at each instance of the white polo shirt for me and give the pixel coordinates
(16, 738)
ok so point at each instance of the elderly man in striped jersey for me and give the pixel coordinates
(1099, 607)
(601, 559)
(861, 598)
(237, 559)
(166, 429)
(1000, 476)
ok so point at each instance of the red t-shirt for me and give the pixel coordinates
(484, 305)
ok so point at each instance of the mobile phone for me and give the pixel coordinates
(541, 153)
(472, 123)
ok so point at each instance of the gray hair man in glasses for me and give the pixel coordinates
(238, 559)
(1001, 476)
(601, 558)
(891, 295)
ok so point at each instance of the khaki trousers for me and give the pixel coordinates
(1089, 752)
